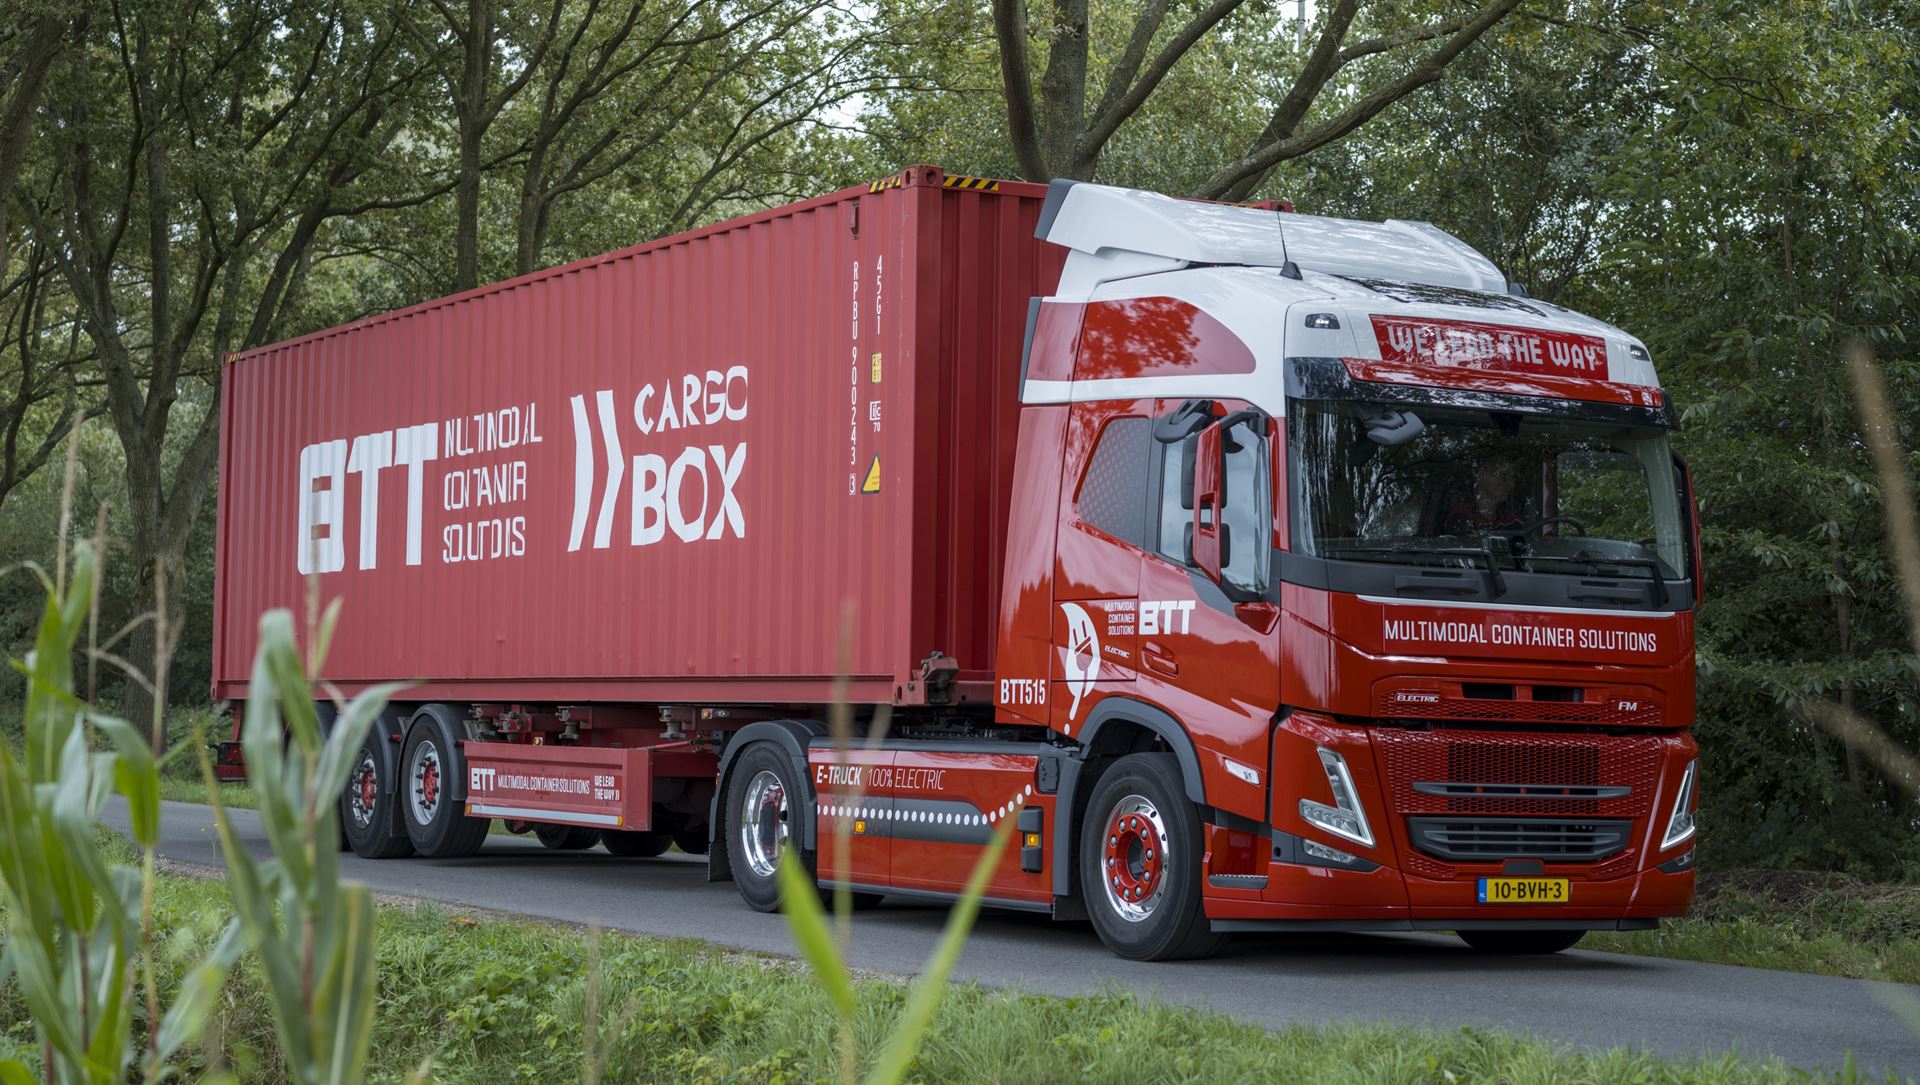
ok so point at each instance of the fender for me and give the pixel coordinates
(1142, 714)
(391, 725)
(456, 781)
(792, 737)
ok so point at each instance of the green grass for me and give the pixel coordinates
(491, 1000)
(1799, 921)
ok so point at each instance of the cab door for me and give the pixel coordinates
(1208, 630)
(1096, 580)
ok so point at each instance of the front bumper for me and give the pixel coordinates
(1261, 877)
(1302, 897)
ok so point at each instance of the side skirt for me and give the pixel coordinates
(1042, 907)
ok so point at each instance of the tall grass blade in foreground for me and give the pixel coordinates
(312, 931)
(78, 922)
(800, 899)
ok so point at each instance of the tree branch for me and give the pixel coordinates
(1010, 26)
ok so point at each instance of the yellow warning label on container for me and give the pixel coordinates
(872, 484)
(876, 367)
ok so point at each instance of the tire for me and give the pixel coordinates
(437, 825)
(691, 839)
(636, 845)
(1521, 942)
(370, 816)
(325, 713)
(566, 837)
(1140, 862)
(765, 804)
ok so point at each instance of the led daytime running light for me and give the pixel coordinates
(1344, 818)
(1680, 825)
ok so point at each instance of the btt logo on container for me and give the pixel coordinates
(663, 490)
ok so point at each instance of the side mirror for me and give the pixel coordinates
(1209, 495)
(1693, 526)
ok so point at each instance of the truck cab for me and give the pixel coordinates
(1391, 568)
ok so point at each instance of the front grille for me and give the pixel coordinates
(1517, 774)
(1487, 840)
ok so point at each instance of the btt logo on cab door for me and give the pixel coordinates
(691, 494)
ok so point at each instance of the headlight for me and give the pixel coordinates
(1680, 825)
(1344, 817)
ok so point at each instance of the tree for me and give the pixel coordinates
(1063, 131)
(197, 154)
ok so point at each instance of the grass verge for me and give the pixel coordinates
(491, 1000)
(1798, 921)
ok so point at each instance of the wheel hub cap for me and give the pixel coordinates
(763, 823)
(1134, 860)
(363, 790)
(423, 773)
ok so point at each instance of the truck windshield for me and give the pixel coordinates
(1467, 487)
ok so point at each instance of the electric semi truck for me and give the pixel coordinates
(1269, 572)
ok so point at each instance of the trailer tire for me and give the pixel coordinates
(643, 844)
(691, 839)
(431, 766)
(370, 816)
(765, 808)
(1521, 942)
(566, 837)
(1140, 862)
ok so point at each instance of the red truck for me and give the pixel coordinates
(1271, 572)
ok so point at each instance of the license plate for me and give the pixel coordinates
(1523, 890)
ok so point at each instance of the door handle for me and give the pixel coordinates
(1157, 657)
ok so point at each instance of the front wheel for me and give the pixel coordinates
(1517, 942)
(1140, 858)
(765, 808)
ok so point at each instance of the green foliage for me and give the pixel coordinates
(494, 1001)
(78, 920)
(800, 899)
(311, 932)
(1831, 924)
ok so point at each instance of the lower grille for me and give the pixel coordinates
(1482, 840)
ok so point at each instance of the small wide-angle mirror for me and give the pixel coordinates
(1386, 426)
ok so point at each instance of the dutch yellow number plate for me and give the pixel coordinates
(1523, 890)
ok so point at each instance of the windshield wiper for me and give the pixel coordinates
(1651, 565)
(1496, 583)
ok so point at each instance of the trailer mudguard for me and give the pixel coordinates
(793, 737)
(1127, 710)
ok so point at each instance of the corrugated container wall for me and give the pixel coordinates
(657, 475)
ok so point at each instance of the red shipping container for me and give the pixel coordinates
(657, 474)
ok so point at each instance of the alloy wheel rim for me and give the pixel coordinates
(423, 772)
(764, 822)
(1133, 863)
(363, 791)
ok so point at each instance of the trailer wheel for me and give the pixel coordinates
(566, 837)
(691, 839)
(431, 763)
(1521, 941)
(765, 805)
(370, 805)
(636, 845)
(1140, 856)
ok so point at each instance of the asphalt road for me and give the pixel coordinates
(1595, 1000)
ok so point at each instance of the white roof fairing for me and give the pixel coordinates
(1119, 232)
